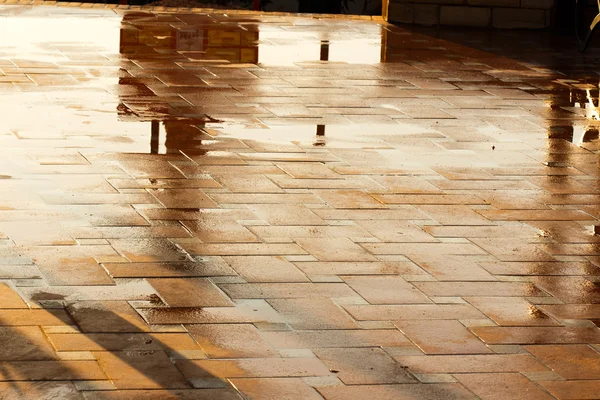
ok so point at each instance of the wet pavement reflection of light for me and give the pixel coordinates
(203, 205)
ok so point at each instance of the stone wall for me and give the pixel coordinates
(508, 14)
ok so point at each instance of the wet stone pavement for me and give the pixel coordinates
(236, 206)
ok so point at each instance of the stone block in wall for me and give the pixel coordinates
(427, 14)
(465, 16)
(403, 13)
(513, 18)
(544, 4)
(494, 3)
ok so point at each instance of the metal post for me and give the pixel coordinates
(256, 5)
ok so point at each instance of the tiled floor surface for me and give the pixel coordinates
(220, 206)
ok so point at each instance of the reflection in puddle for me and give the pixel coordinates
(583, 101)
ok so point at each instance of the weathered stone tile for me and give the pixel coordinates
(148, 250)
(35, 317)
(211, 230)
(320, 231)
(183, 198)
(285, 214)
(576, 389)
(275, 388)
(413, 312)
(478, 289)
(106, 316)
(190, 292)
(265, 198)
(334, 249)
(442, 337)
(63, 370)
(286, 290)
(351, 199)
(171, 394)
(312, 314)
(253, 368)
(511, 311)
(20, 389)
(453, 364)
(503, 231)
(27, 343)
(570, 361)
(537, 335)
(308, 170)
(122, 342)
(208, 266)
(404, 212)
(540, 268)
(359, 268)
(423, 248)
(248, 184)
(140, 370)
(231, 341)
(450, 391)
(134, 290)
(454, 214)
(240, 249)
(247, 311)
(502, 386)
(452, 268)
(337, 338)
(386, 290)
(265, 269)
(363, 366)
(396, 231)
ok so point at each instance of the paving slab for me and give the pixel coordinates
(199, 204)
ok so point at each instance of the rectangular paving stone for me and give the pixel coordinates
(312, 314)
(256, 367)
(442, 337)
(247, 311)
(212, 230)
(511, 311)
(210, 266)
(450, 391)
(286, 290)
(396, 231)
(351, 199)
(488, 363)
(140, 370)
(413, 312)
(334, 249)
(171, 394)
(363, 366)
(537, 335)
(570, 361)
(385, 290)
(238, 249)
(359, 268)
(423, 248)
(452, 268)
(266, 269)
(190, 292)
(67, 342)
(503, 385)
(478, 289)
(63, 370)
(231, 341)
(404, 212)
(337, 338)
(286, 214)
(571, 390)
(28, 317)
